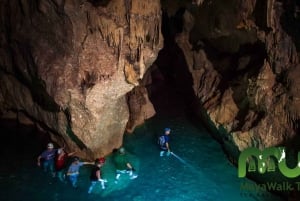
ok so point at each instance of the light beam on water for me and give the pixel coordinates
(182, 161)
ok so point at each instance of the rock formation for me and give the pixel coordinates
(245, 68)
(68, 65)
(140, 107)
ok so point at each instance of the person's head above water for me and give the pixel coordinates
(122, 150)
(75, 159)
(100, 161)
(60, 151)
(167, 131)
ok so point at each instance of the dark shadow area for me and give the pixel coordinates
(260, 13)
(19, 145)
(97, 3)
(290, 20)
(70, 132)
(35, 84)
(236, 69)
(248, 59)
(171, 91)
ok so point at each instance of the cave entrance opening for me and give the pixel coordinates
(171, 91)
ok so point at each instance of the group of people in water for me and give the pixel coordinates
(56, 161)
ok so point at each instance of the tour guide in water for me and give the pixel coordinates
(163, 142)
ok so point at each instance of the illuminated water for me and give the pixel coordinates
(203, 175)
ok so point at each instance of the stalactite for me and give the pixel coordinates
(288, 118)
(120, 46)
(270, 13)
(127, 4)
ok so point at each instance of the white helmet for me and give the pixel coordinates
(50, 145)
(122, 150)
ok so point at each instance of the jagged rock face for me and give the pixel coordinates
(69, 64)
(245, 69)
(139, 104)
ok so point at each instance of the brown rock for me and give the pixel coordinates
(70, 64)
(140, 107)
(253, 96)
(226, 111)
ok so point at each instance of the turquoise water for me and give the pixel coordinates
(204, 174)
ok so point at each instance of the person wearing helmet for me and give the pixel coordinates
(102, 160)
(60, 163)
(48, 158)
(163, 142)
(123, 166)
(73, 171)
(96, 174)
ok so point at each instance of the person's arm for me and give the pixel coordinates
(168, 147)
(88, 163)
(72, 153)
(100, 179)
(98, 175)
(39, 160)
(130, 167)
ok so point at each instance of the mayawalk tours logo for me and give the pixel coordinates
(265, 162)
(262, 161)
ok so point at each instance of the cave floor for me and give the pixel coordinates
(204, 174)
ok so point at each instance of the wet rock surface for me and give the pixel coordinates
(68, 65)
(244, 66)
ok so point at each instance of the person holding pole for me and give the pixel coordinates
(163, 142)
